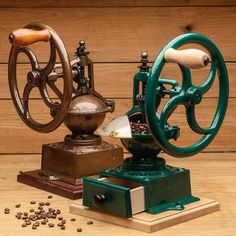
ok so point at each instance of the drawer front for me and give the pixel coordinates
(106, 197)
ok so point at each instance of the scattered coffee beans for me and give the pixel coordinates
(33, 216)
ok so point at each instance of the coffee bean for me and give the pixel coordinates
(17, 205)
(72, 219)
(51, 225)
(47, 203)
(40, 208)
(6, 209)
(28, 223)
(33, 202)
(41, 204)
(43, 222)
(49, 196)
(63, 227)
(25, 214)
(36, 223)
(60, 224)
(24, 225)
(89, 222)
(79, 230)
(24, 217)
(31, 210)
(60, 218)
(58, 211)
(63, 221)
(34, 227)
(6, 212)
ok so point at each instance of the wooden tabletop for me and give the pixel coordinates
(213, 175)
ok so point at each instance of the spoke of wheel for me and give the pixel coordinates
(186, 78)
(26, 93)
(203, 88)
(51, 63)
(32, 57)
(55, 89)
(169, 108)
(191, 118)
(46, 98)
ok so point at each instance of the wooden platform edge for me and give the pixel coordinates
(34, 179)
(155, 222)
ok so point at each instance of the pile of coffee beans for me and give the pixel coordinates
(139, 127)
(42, 214)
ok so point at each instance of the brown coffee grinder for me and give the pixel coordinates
(81, 109)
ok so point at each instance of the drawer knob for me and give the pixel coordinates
(100, 198)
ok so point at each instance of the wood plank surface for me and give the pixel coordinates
(147, 222)
(113, 3)
(212, 176)
(118, 34)
(16, 137)
(115, 80)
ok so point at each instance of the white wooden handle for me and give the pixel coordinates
(191, 58)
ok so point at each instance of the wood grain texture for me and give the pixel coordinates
(148, 222)
(113, 3)
(16, 137)
(115, 36)
(119, 34)
(211, 176)
(115, 80)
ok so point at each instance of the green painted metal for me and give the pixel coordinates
(167, 187)
(116, 201)
(189, 96)
(177, 205)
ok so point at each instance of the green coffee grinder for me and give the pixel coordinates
(144, 182)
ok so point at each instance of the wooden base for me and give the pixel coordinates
(34, 179)
(148, 222)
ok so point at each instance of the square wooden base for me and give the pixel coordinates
(34, 179)
(148, 222)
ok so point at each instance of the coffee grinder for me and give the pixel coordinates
(151, 194)
(81, 108)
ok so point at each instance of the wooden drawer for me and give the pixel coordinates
(113, 196)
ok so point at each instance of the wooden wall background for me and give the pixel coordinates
(116, 32)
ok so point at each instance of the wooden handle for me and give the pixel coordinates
(25, 37)
(191, 58)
